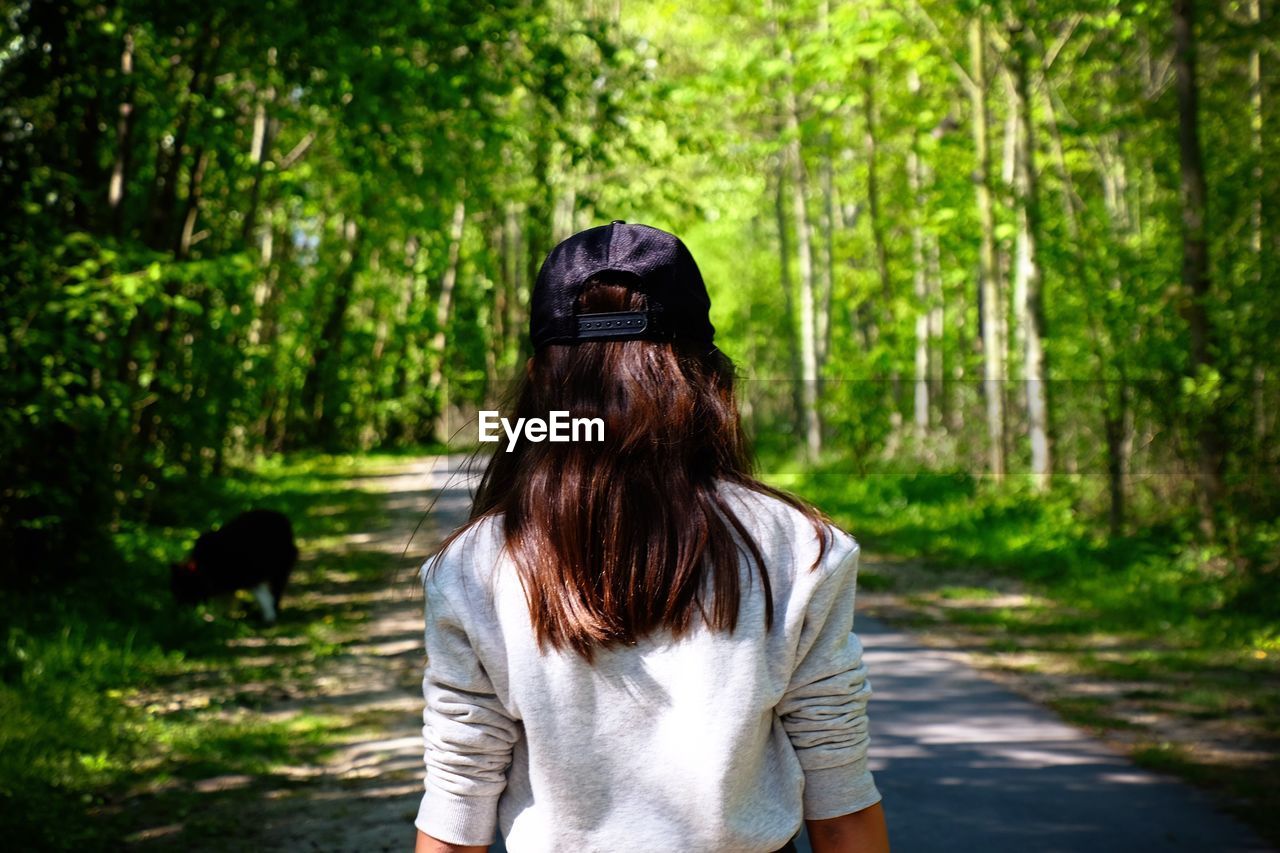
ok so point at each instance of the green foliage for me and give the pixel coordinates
(1155, 582)
(228, 230)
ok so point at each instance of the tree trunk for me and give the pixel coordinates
(262, 133)
(1196, 283)
(262, 332)
(992, 344)
(1010, 288)
(1034, 361)
(124, 138)
(519, 293)
(823, 329)
(936, 300)
(1117, 417)
(1118, 424)
(496, 351)
(318, 382)
(1261, 432)
(265, 288)
(804, 254)
(398, 424)
(444, 310)
(165, 192)
(919, 273)
(195, 191)
(937, 325)
(1257, 141)
(788, 300)
(871, 148)
(148, 425)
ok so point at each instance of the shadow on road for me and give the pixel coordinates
(966, 765)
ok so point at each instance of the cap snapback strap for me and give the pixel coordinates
(619, 325)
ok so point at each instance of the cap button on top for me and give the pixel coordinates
(618, 222)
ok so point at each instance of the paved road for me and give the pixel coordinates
(966, 765)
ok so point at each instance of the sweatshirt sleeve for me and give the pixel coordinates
(467, 732)
(824, 709)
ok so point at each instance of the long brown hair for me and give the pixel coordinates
(613, 540)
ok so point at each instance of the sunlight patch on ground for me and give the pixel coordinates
(227, 782)
(155, 832)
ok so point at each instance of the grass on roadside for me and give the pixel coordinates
(1156, 582)
(108, 691)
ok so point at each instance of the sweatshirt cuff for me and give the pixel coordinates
(458, 820)
(835, 791)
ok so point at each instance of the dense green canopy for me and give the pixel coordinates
(1014, 237)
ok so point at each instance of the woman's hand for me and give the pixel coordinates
(860, 832)
(427, 844)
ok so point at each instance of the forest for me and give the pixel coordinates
(999, 276)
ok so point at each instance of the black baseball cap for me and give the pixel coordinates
(651, 260)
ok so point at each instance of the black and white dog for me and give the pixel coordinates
(254, 551)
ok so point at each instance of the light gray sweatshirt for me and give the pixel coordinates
(716, 742)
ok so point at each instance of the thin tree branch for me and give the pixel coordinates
(1052, 53)
(940, 42)
(298, 150)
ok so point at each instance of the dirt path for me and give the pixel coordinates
(364, 798)
(342, 669)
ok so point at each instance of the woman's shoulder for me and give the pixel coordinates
(776, 522)
(477, 544)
